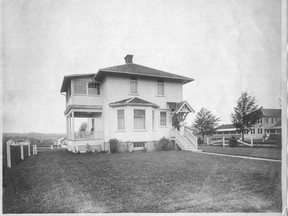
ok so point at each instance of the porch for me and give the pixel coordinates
(89, 136)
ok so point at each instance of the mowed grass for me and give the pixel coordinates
(260, 152)
(176, 181)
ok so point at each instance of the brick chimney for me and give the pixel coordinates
(128, 58)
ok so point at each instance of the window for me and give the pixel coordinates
(80, 87)
(163, 118)
(266, 120)
(139, 119)
(272, 120)
(121, 119)
(138, 144)
(153, 120)
(94, 88)
(83, 87)
(133, 85)
(160, 87)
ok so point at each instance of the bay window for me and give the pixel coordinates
(139, 119)
(121, 119)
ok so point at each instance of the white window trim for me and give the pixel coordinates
(86, 84)
(145, 120)
(132, 93)
(125, 123)
(166, 125)
(159, 95)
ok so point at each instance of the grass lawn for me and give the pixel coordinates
(260, 152)
(176, 181)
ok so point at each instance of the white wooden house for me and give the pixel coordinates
(268, 123)
(135, 104)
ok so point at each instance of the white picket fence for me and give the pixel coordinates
(225, 144)
(21, 144)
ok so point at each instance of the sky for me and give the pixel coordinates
(227, 46)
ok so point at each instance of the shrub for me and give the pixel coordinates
(144, 149)
(233, 142)
(114, 145)
(88, 148)
(164, 145)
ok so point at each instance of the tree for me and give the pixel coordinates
(83, 126)
(244, 116)
(205, 123)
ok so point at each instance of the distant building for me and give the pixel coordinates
(268, 123)
(227, 130)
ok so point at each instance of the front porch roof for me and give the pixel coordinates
(133, 101)
(180, 107)
(83, 109)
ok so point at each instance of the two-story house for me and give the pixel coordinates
(135, 104)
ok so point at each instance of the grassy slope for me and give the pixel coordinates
(262, 152)
(59, 181)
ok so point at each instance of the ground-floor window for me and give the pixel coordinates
(138, 144)
(163, 118)
(121, 119)
(139, 119)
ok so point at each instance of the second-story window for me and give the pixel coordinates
(84, 88)
(160, 87)
(94, 88)
(133, 85)
(80, 87)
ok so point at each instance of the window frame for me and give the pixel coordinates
(139, 129)
(160, 118)
(98, 91)
(139, 144)
(135, 81)
(122, 117)
(160, 83)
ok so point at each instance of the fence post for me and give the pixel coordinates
(8, 155)
(29, 154)
(223, 141)
(22, 151)
(52, 147)
(35, 149)
(207, 140)
(251, 141)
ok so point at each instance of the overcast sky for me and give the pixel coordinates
(227, 46)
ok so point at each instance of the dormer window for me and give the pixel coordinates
(160, 87)
(133, 85)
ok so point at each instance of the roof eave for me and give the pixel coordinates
(101, 71)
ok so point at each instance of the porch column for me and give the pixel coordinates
(73, 124)
(67, 126)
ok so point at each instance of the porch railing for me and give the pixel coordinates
(193, 139)
(96, 135)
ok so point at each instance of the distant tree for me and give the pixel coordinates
(205, 123)
(246, 104)
(83, 126)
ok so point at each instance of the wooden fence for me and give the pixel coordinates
(11, 143)
(223, 141)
